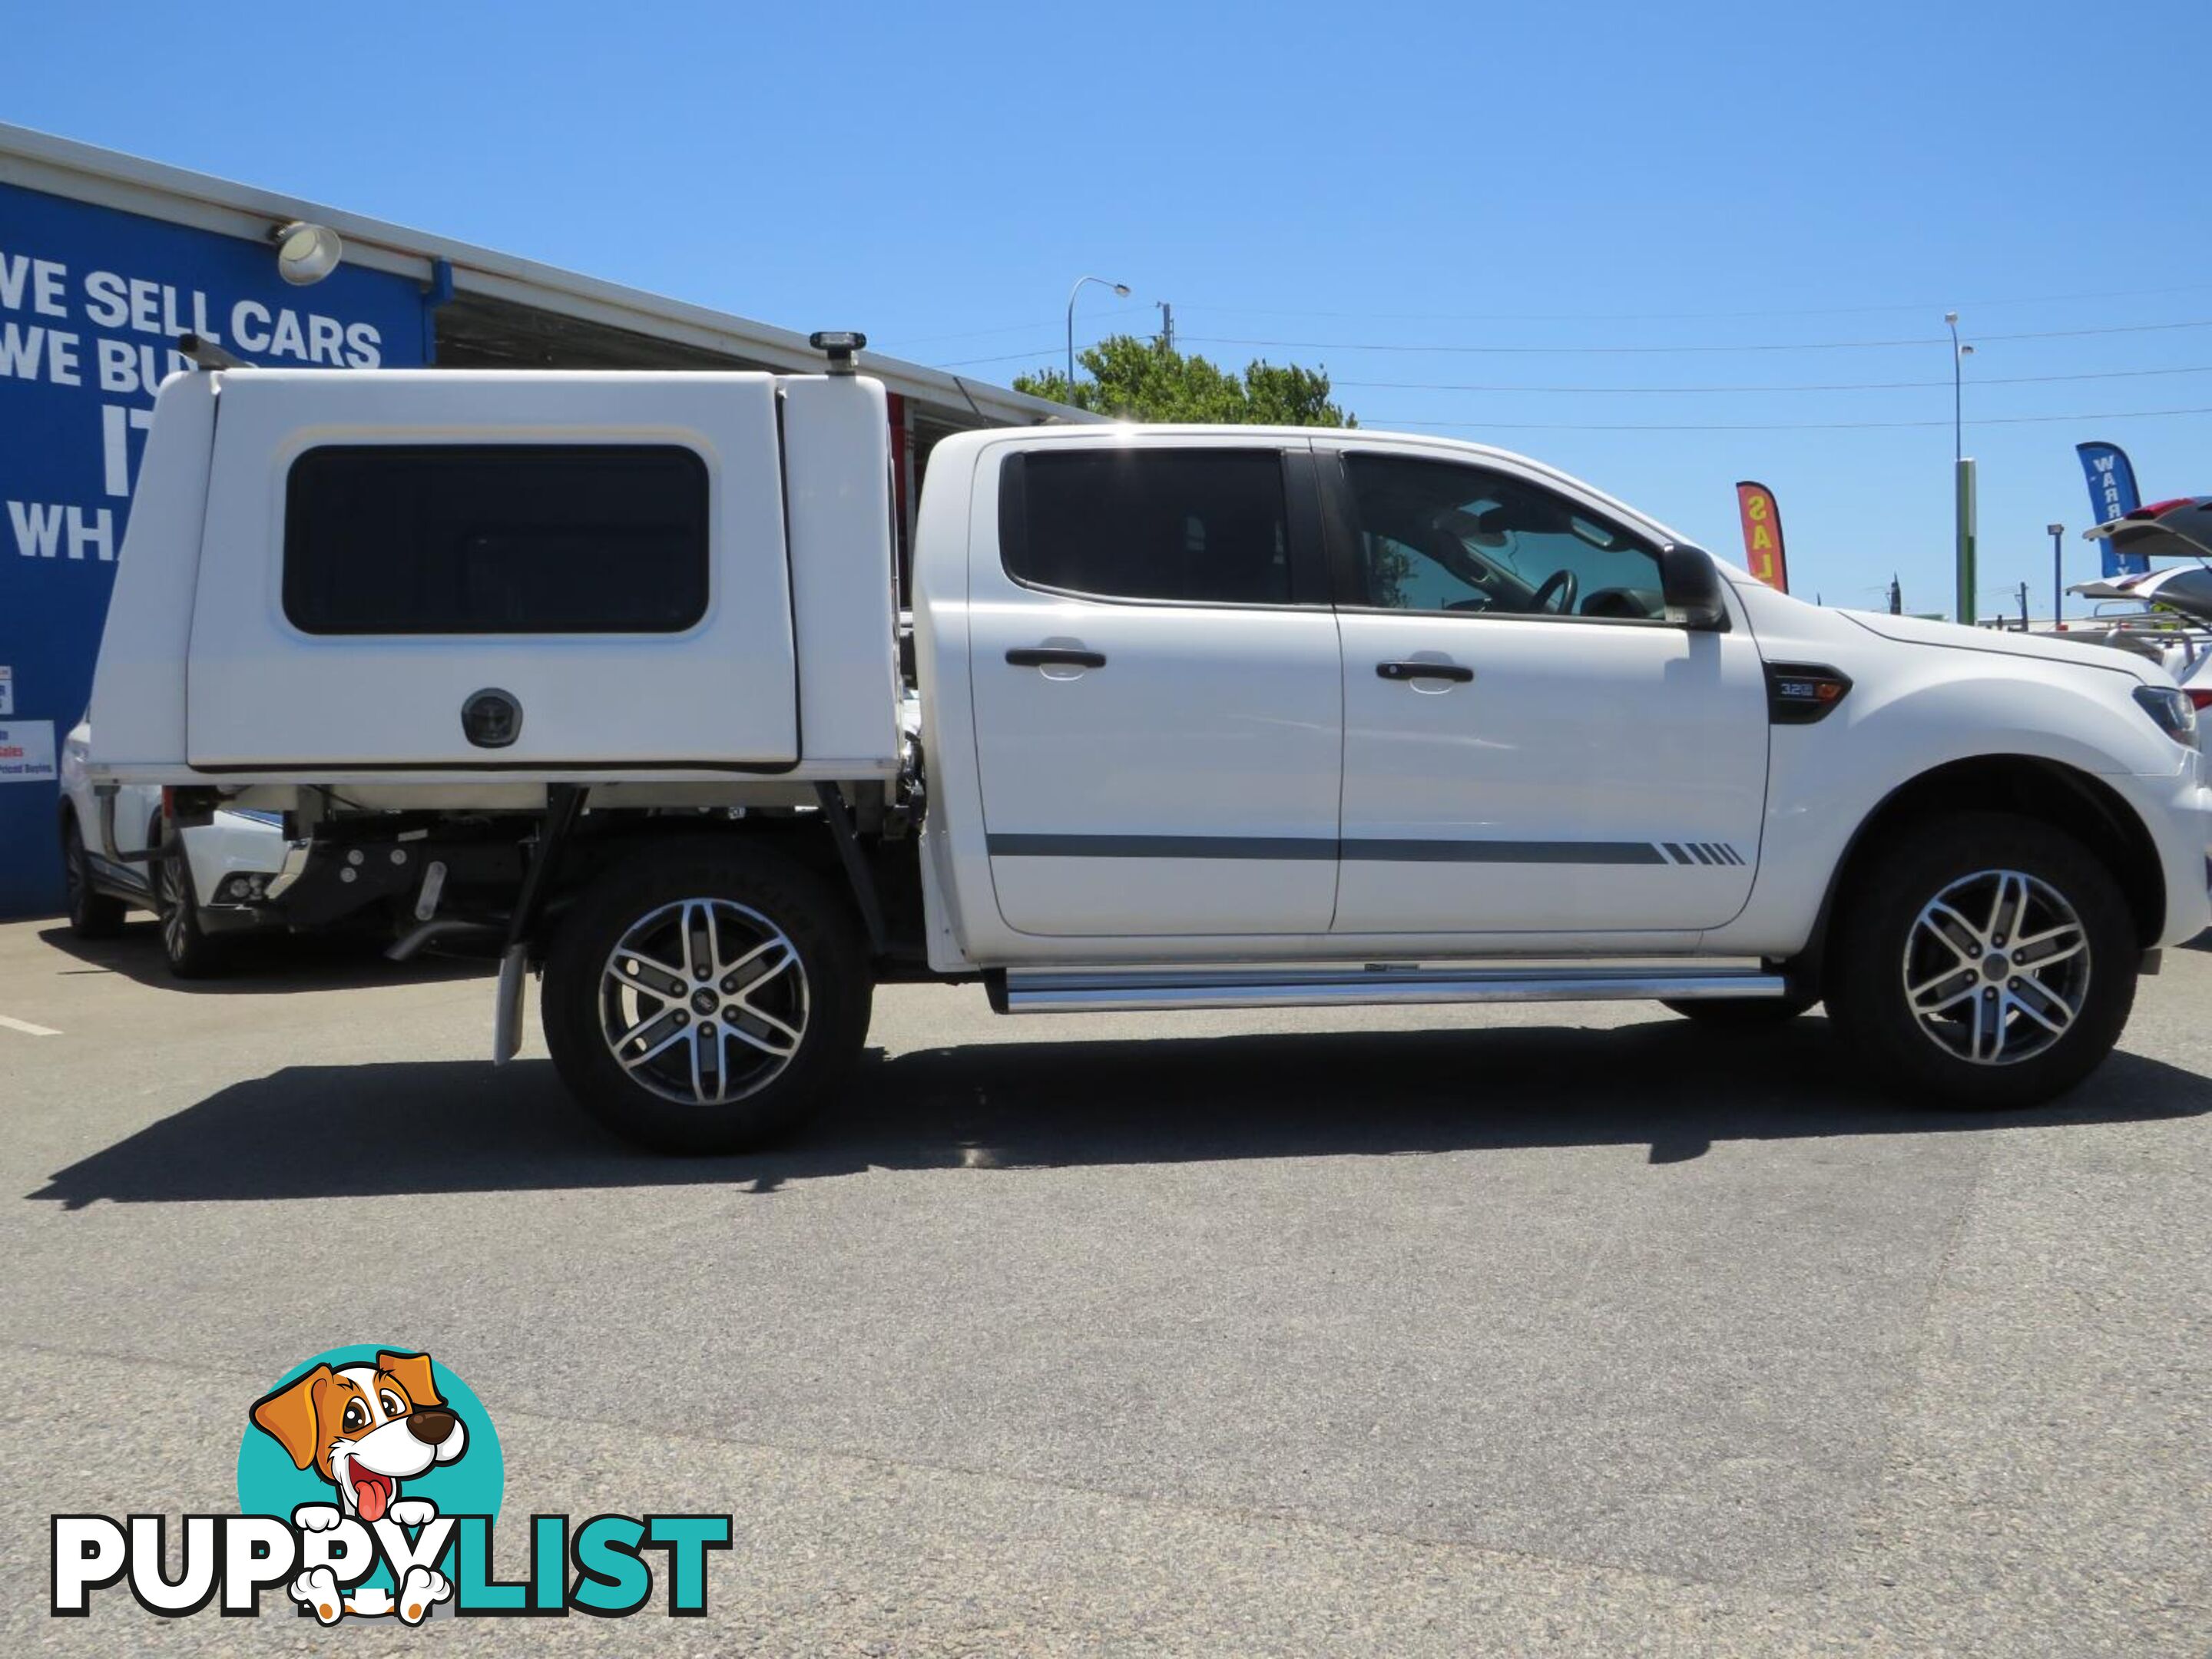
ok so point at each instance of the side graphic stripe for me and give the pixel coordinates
(121, 874)
(1162, 847)
(1504, 852)
(1303, 847)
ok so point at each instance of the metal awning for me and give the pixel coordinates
(504, 310)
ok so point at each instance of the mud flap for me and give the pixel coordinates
(565, 805)
(506, 1010)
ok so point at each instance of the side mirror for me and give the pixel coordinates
(1690, 584)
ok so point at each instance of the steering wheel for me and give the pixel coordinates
(1565, 584)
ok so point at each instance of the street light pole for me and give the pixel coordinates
(1958, 398)
(2057, 582)
(1121, 289)
(1963, 480)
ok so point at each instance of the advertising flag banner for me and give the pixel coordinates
(1762, 534)
(2111, 496)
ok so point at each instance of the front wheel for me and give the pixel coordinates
(92, 913)
(704, 1000)
(1985, 961)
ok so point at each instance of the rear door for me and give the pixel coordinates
(1157, 702)
(426, 571)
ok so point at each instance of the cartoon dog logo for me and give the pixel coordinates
(366, 1429)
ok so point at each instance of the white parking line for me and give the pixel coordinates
(27, 1028)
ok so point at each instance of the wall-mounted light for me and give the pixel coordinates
(306, 253)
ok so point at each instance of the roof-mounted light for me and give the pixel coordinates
(840, 345)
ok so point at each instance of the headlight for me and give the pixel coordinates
(2169, 705)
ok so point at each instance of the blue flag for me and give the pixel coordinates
(2111, 496)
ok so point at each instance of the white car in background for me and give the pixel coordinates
(2181, 528)
(218, 888)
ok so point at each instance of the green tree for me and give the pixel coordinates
(1135, 380)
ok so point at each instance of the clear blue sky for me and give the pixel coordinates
(1548, 179)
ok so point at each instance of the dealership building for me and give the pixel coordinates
(106, 259)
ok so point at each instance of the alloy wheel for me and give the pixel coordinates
(1996, 967)
(703, 1001)
(176, 900)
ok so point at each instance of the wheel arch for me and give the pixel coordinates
(67, 812)
(626, 841)
(2050, 792)
(811, 841)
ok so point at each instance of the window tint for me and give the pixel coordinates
(1149, 524)
(1437, 536)
(495, 539)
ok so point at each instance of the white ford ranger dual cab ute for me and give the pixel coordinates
(603, 674)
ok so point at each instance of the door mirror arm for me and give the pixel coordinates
(1689, 582)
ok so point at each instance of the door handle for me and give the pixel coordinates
(1054, 656)
(1425, 670)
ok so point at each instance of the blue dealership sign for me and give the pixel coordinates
(92, 300)
(2111, 496)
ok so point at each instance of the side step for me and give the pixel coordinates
(1068, 991)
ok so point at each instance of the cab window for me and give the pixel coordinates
(1438, 536)
(1197, 525)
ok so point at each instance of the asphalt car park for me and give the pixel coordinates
(1560, 1329)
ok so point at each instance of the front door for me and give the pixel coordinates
(1157, 702)
(1530, 745)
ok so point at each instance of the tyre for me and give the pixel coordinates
(1982, 960)
(1741, 1011)
(92, 913)
(704, 998)
(189, 952)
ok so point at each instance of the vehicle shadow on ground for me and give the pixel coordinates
(447, 1126)
(261, 964)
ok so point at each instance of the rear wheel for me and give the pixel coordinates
(92, 913)
(705, 999)
(189, 952)
(1985, 960)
